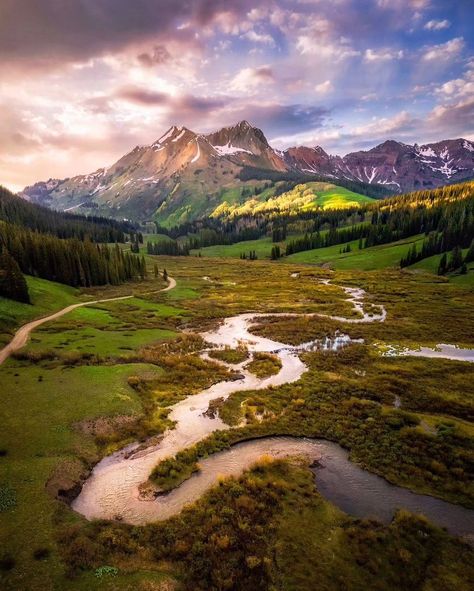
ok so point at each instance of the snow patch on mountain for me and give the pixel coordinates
(229, 149)
(178, 137)
(468, 146)
(198, 153)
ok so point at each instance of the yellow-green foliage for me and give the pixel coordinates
(264, 365)
(303, 197)
(229, 355)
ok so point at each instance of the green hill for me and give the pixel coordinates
(311, 196)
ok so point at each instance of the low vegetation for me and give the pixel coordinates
(269, 529)
(229, 355)
(264, 365)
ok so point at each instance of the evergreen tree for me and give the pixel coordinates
(12, 282)
(442, 264)
(275, 254)
(470, 253)
(455, 260)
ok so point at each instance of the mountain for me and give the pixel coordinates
(399, 166)
(184, 175)
(182, 172)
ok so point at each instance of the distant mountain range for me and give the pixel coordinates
(184, 175)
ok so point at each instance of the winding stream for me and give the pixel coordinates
(112, 489)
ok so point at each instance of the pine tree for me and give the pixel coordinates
(470, 253)
(442, 264)
(12, 282)
(455, 260)
(155, 270)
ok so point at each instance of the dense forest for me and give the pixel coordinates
(59, 247)
(445, 216)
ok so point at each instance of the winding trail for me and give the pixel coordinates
(21, 336)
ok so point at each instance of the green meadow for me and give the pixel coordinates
(104, 375)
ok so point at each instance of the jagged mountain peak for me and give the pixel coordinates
(186, 170)
(173, 135)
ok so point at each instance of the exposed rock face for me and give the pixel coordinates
(247, 145)
(401, 167)
(184, 175)
(165, 175)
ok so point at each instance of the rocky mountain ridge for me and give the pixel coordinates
(184, 175)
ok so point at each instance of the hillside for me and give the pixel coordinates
(58, 247)
(311, 196)
(405, 230)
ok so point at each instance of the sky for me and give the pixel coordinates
(84, 81)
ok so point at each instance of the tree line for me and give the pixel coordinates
(17, 211)
(70, 261)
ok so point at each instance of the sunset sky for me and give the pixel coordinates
(84, 81)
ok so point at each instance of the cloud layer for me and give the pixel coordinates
(83, 82)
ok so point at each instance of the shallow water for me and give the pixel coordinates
(442, 351)
(112, 490)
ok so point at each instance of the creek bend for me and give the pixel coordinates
(112, 489)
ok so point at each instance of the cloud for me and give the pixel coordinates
(383, 55)
(277, 119)
(314, 46)
(445, 51)
(458, 88)
(249, 80)
(453, 119)
(52, 33)
(324, 87)
(437, 25)
(259, 37)
(142, 96)
(159, 55)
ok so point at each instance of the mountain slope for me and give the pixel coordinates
(400, 166)
(183, 175)
(180, 176)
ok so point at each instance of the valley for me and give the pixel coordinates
(140, 358)
(236, 295)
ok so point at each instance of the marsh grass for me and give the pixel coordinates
(264, 365)
(229, 355)
(61, 411)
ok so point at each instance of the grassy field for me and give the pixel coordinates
(58, 419)
(46, 297)
(334, 197)
(262, 248)
(107, 329)
(40, 408)
(367, 259)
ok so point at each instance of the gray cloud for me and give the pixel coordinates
(159, 55)
(52, 32)
(142, 96)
